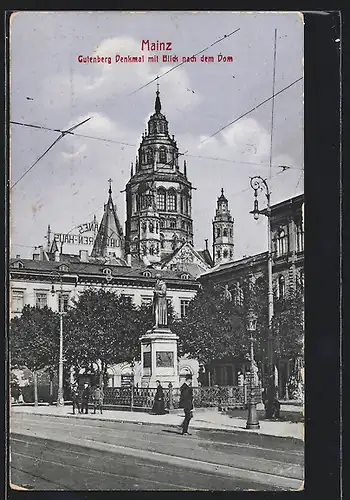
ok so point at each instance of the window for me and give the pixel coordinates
(146, 300)
(300, 238)
(225, 253)
(224, 233)
(185, 276)
(18, 265)
(63, 302)
(282, 243)
(149, 156)
(144, 227)
(162, 223)
(17, 300)
(41, 299)
(162, 240)
(147, 274)
(183, 224)
(162, 155)
(238, 295)
(300, 281)
(171, 201)
(161, 199)
(63, 268)
(184, 303)
(151, 227)
(218, 254)
(231, 254)
(218, 233)
(281, 287)
(172, 223)
(231, 233)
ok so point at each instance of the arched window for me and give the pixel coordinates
(162, 223)
(183, 224)
(162, 242)
(218, 232)
(224, 232)
(149, 156)
(144, 227)
(162, 154)
(218, 254)
(171, 200)
(157, 227)
(281, 287)
(161, 199)
(172, 223)
(231, 233)
(231, 254)
(151, 227)
(282, 243)
(225, 253)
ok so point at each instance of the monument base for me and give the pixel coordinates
(159, 358)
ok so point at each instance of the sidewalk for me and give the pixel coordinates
(204, 419)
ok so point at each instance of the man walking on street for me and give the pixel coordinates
(186, 402)
(85, 399)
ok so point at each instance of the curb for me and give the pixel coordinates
(232, 430)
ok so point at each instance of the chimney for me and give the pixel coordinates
(36, 254)
(41, 250)
(18, 256)
(128, 259)
(57, 256)
(83, 255)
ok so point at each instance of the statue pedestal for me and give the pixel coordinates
(159, 358)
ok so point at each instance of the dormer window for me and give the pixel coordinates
(63, 268)
(185, 276)
(147, 274)
(18, 265)
(107, 271)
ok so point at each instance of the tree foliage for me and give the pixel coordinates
(103, 329)
(288, 325)
(34, 339)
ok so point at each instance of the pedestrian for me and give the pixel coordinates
(159, 405)
(186, 402)
(76, 398)
(85, 399)
(97, 397)
(20, 397)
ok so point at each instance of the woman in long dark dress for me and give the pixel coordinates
(158, 405)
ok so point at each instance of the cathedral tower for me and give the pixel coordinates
(222, 232)
(157, 175)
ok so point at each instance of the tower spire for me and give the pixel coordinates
(157, 105)
(110, 186)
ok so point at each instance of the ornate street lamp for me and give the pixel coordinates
(259, 184)
(252, 420)
(60, 398)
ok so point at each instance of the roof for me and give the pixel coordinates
(244, 262)
(296, 199)
(94, 268)
(205, 254)
(110, 228)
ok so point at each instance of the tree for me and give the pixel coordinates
(103, 329)
(288, 325)
(215, 326)
(34, 341)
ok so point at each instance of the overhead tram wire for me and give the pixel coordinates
(273, 100)
(135, 145)
(184, 62)
(63, 133)
(179, 154)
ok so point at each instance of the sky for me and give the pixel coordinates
(50, 88)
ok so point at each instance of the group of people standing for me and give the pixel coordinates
(82, 395)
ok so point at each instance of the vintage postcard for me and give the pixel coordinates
(156, 307)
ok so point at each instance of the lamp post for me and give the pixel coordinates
(60, 398)
(259, 184)
(252, 420)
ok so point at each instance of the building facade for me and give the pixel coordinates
(287, 234)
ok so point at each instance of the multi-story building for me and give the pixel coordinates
(287, 233)
(223, 243)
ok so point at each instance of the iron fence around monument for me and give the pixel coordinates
(221, 397)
